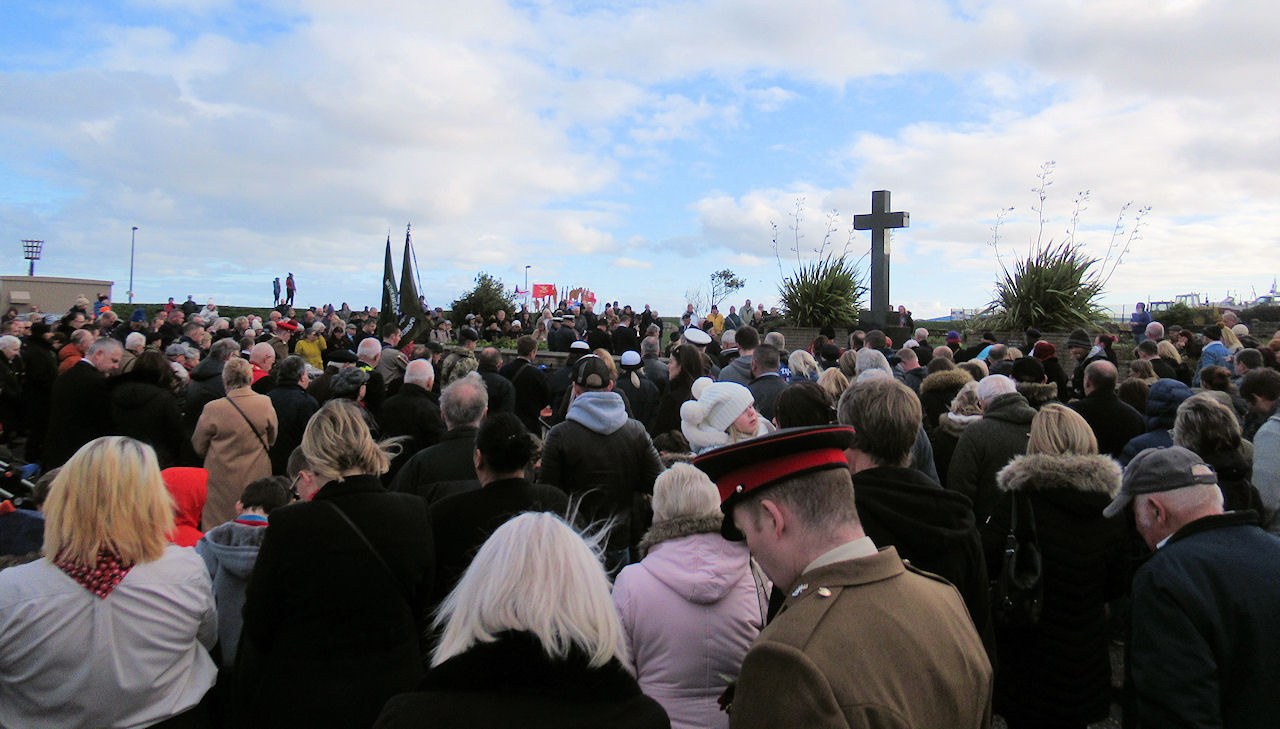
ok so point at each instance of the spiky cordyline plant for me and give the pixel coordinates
(1054, 289)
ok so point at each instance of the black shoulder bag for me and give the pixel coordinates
(1018, 592)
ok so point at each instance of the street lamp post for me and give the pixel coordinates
(133, 238)
(31, 251)
(526, 286)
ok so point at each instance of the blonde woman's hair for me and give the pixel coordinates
(684, 490)
(1167, 350)
(237, 373)
(607, 357)
(534, 574)
(1205, 425)
(337, 440)
(1058, 430)
(834, 382)
(802, 364)
(1230, 340)
(110, 495)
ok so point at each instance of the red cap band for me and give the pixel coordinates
(760, 474)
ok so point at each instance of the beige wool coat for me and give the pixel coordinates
(233, 455)
(871, 643)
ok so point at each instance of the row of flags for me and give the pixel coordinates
(401, 305)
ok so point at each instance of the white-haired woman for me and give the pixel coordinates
(690, 606)
(530, 639)
(336, 607)
(112, 627)
(720, 413)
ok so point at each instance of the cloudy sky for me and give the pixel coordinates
(635, 147)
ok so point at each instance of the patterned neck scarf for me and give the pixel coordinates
(100, 579)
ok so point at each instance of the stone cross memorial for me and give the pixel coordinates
(879, 221)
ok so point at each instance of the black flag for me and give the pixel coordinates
(413, 318)
(387, 314)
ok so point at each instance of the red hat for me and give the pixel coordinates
(753, 465)
(1043, 351)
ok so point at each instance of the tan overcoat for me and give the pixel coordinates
(233, 455)
(871, 643)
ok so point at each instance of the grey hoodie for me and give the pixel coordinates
(739, 371)
(599, 412)
(230, 550)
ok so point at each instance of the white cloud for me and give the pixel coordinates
(625, 262)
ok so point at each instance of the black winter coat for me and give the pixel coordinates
(512, 682)
(679, 391)
(145, 411)
(641, 396)
(462, 522)
(79, 411)
(41, 365)
(1059, 673)
(1113, 421)
(987, 446)
(330, 633)
(502, 394)
(936, 393)
(533, 392)
(930, 526)
(413, 412)
(444, 469)
(294, 408)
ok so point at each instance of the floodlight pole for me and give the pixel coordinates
(133, 237)
(526, 286)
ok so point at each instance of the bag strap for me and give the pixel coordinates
(376, 554)
(261, 441)
(1022, 506)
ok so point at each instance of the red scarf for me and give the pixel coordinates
(100, 579)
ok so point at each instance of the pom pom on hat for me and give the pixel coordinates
(705, 420)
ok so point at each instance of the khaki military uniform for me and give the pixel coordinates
(866, 642)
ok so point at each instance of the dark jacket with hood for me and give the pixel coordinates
(145, 411)
(931, 527)
(1059, 670)
(944, 439)
(601, 455)
(936, 393)
(512, 682)
(1038, 394)
(230, 550)
(1163, 400)
(987, 446)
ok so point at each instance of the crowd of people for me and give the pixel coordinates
(302, 518)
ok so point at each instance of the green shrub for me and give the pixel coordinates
(825, 291)
(1054, 290)
(484, 301)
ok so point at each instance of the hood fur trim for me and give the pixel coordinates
(944, 380)
(681, 526)
(1037, 393)
(1089, 474)
(954, 425)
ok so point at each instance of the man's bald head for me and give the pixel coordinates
(370, 350)
(1100, 377)
(263, 355)
(420, 373)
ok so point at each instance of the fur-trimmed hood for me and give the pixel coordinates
(946, 379)
(1038, 394)
(953, 425)
(1043, 472)
(682, 526)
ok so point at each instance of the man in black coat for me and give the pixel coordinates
(533, 391)
(1205, 648)
(294, 408)
(654, 368)
(561, 335)
(625, 338)
(1113, 421)
(766, 382)
(80, 407)
(462, 522)
(598, 337)
(413, 412)
(502, 394)
(900, 506)
(448, 467)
